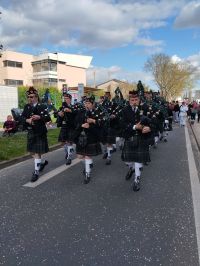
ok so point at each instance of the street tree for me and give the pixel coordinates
(172, 78)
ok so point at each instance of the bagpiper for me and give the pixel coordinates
(66, 120)
(35, 116)
(87, 135)
(137, 133)
(111, 127)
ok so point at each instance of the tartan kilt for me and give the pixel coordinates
(109, 136)
(156, 133)
(136, 153)
(161, 127)
(66, 134)
(91, 149)
(37, 143)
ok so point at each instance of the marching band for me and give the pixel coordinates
(94, 128)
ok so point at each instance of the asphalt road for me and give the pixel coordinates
(64, 222)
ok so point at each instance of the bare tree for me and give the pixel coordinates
(170, 77)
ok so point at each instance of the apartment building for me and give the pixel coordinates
(47, 69)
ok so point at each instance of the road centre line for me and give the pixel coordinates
(195, 187)
(51, 174)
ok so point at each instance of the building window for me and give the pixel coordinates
(8, 63)
(62, 80)
(45, 65)
(13, 82)
(50, 82)
(45, 82)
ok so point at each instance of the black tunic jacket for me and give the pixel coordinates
(129, 119)
(39, 126)
(93, 132)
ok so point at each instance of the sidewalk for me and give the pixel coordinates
(196, 130)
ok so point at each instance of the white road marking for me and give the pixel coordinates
(51, 174)
(25, 160)
(195, 186)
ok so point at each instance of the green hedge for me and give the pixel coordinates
(56, 96)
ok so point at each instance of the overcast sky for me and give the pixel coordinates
(120, 34)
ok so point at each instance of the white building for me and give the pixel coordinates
(9, 100)
(48, 69)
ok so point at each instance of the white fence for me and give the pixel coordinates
(8, 100)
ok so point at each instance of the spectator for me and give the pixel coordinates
(171, 107)
(9, 126)
(176, 110)
(194, 109)
(198, 112)
(183, 114)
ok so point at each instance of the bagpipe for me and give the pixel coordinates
(74, 109)
(99, 113)
(112, 108)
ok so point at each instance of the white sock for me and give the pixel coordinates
(88, 162)
(37, 164)
(156, 139)
(109, 149)
(137, 169)
(70, 150)
(117, 139)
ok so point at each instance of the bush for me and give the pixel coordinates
(56, 96)
(22, 96)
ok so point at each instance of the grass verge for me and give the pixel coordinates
(15, 146)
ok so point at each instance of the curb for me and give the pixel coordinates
(195, 134)
(5, 164)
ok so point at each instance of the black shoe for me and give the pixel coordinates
(105, 155)
(68, 162)
(161, 138)
(136, 184)
(129, 174)
(35, 177)
(42, 165)
(108, 161)
(87, 178)
(165, 140)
